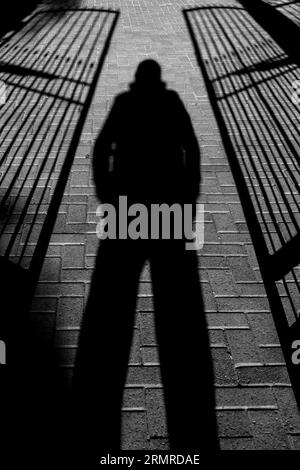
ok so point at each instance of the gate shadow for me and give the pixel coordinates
(249, 64)
(48, 93)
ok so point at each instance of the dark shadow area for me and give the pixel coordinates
(281, 23)
(259, 125)
(23, 71)
(60, 7)
(49, 91)
(63, 3)
(146, 151)
(290, 9)
(13, 13)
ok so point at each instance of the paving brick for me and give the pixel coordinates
(210, 232)
(159, 443)
(134, 430)
(80, 179)
(225, 178)
(237, 443)
(73, 256)
(213, 262)
(143, 375)
(59, 289)
(234, 423)
(145, 288)
(272, 354)
(150, 355)
(223, 367)
(156, 413)
(264, 374)
(235, 237)
(44, 304)
(77, 213)
(53, 251)
(288, 408)
(76, 275)
(208, 298)
(145, 304)
(134, 398)
(145, 275)
(135, 352)
(60, 223)
(262, 325)
(248, 304)
(241, 269)
(237, 308)
(245, 397)
(66, 355)
(66, 336)
(227, 320)
(222, 282)
(217, 337)
(224, 223)
(242, 346)
(250, 288)
(147, 328)
(51, 270)
(69, 311)
(268, 430)
(223, 249)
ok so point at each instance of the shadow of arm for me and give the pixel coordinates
(103, 155)
(192, 157)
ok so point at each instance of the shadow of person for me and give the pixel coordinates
(148, 152)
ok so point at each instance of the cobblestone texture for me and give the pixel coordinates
(256, 408)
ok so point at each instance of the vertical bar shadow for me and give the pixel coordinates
(247, 76)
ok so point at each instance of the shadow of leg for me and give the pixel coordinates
(186, 364)
(104, 346)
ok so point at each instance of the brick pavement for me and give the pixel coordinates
(256, 408)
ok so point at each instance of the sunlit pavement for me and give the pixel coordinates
(256, 408)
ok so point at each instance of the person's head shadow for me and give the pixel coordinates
(148, 77)
(148, 153)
